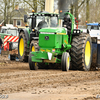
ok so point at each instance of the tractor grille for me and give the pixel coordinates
(50, 40)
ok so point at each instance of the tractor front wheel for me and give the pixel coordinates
(34, 46)
(65, 61)
(32, 65)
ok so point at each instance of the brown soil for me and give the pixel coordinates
(20, 83)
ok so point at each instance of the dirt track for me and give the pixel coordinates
(20, 83)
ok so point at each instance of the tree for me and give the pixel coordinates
(6, 9)
(75, 6)
(8, 6)
(87, 10)
(35, 4)
(76, 9)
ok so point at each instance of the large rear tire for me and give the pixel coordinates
(22, 48)
(81, 53)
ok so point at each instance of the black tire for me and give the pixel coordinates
(23, 57)
(65, 61)
(32, 64)
(36, 48)
(78, 54)
(12, 57)
(35, 44)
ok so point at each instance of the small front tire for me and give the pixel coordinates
(32, 65)
(65, 61)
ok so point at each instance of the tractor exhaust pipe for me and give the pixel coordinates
(49, 5)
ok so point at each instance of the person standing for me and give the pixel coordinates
(67, 23)
(0, 44)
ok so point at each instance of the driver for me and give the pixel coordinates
(42, 24)
(67, 23)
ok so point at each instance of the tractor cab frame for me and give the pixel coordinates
(38, 21)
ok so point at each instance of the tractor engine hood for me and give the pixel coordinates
(53, 30)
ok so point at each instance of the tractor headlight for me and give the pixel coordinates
(76, 31)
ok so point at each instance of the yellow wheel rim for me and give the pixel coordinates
(68, 62)
(35, 64)
(33, 49)
(87, 53)
(21, 47)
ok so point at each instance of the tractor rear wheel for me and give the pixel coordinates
(65, 61)
(22, 48)
(81, 53)
(32, 65)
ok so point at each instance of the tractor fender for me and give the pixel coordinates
(34, 38)
(26, 34)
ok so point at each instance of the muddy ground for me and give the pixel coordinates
(17, 82)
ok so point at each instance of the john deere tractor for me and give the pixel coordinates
(30, 35)
(57, 46)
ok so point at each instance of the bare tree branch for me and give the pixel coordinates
(81, 3)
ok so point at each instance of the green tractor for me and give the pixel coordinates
(30, 35)
(57, 46)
